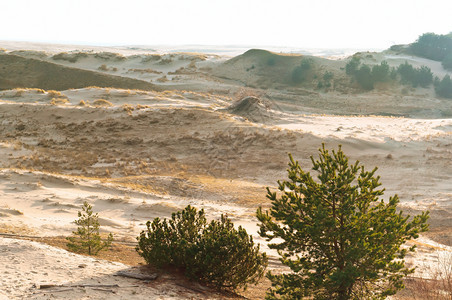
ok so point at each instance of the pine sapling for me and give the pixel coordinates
(87, 237)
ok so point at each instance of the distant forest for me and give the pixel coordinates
(435, 47)
(429, 45)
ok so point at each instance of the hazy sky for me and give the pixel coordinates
(291, 23)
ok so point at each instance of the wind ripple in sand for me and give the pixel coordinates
(372, 128)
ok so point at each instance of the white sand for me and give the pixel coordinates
(27, 265)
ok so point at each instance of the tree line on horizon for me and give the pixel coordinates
(367, 76)
(436, 47)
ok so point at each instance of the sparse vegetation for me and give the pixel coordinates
(142, 71)
(215, 253)
(339, 239)
(365, 75)
(150, 57)
(70, 57)
(54, 94)
(325, 82)
(165, 61)
(87, 238)
(162, 79)
(110, 56)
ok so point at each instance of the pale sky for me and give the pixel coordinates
(284, 23)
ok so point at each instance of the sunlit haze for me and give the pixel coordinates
(285, 23)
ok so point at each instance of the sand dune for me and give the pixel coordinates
(19, 72)
(138, 154)
(33, 266)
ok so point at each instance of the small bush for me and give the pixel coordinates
(215, 253)
(422, 76)
(447, 62)
(301, 72)
(165, 61)
(380, 73)
(327, 76)
(352, 66)
(444, 87)
(103, 67)
(364, 77)
(271, 61)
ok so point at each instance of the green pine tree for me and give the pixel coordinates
(87, 237)
(340, 240)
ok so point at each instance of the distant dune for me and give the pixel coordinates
(17, 71)
(265, 69)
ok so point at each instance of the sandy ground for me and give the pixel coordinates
(143, 154)
(31, 266)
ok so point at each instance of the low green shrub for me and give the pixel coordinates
(300, 73)
(215, 253)
(447, 62)
(444, 87)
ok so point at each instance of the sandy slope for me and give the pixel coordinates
(179, 148)
(28, 266)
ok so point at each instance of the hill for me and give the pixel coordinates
(17, 71)
(265, 69)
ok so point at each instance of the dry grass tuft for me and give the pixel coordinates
(55, 94)
(128, 108)
(248, 92)
(436, 284)
(102, 103)
(70, 57)
(59, 101)
(103, 68)
(110, 56)
(162, 79)
(142, 71)
(18, 92)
